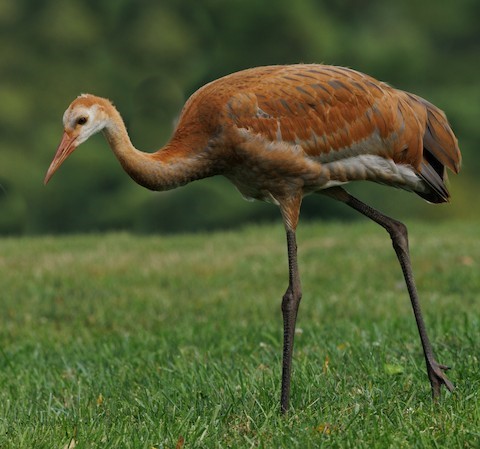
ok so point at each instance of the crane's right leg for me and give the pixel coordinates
(290, 303)
(398, 234)
(290, 209)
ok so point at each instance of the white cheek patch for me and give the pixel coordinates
(92, 126)
(89, 129)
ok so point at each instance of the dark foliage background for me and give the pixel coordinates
(149, 56)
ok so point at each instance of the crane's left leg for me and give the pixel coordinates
(398, 234)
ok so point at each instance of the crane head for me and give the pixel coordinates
(85, 116)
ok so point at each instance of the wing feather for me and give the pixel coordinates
(323, 109)
(327, 109)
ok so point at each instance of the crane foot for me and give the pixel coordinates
(438, 378)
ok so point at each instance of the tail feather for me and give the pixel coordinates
(439, 139)
(440, 150)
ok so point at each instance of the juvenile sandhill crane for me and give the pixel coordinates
(279, 133)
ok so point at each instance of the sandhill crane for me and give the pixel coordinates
(279, 133)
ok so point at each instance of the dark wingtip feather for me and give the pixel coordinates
(434, 177)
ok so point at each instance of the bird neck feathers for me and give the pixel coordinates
(174, 165)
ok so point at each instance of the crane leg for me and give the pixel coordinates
(398, 234)
(290, 303)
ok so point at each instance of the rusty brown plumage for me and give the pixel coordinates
(311, 118)
(282, 132)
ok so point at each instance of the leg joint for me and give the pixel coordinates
(291, 300)
(398, 233)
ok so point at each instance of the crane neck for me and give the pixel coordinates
(181, 161)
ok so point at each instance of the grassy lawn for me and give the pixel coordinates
(121, 341)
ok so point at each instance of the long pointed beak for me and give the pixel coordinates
(66, 147)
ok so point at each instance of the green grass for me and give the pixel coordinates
(121, 341)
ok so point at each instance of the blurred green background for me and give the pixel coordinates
(149, 56)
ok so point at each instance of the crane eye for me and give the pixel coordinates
(81, 120)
